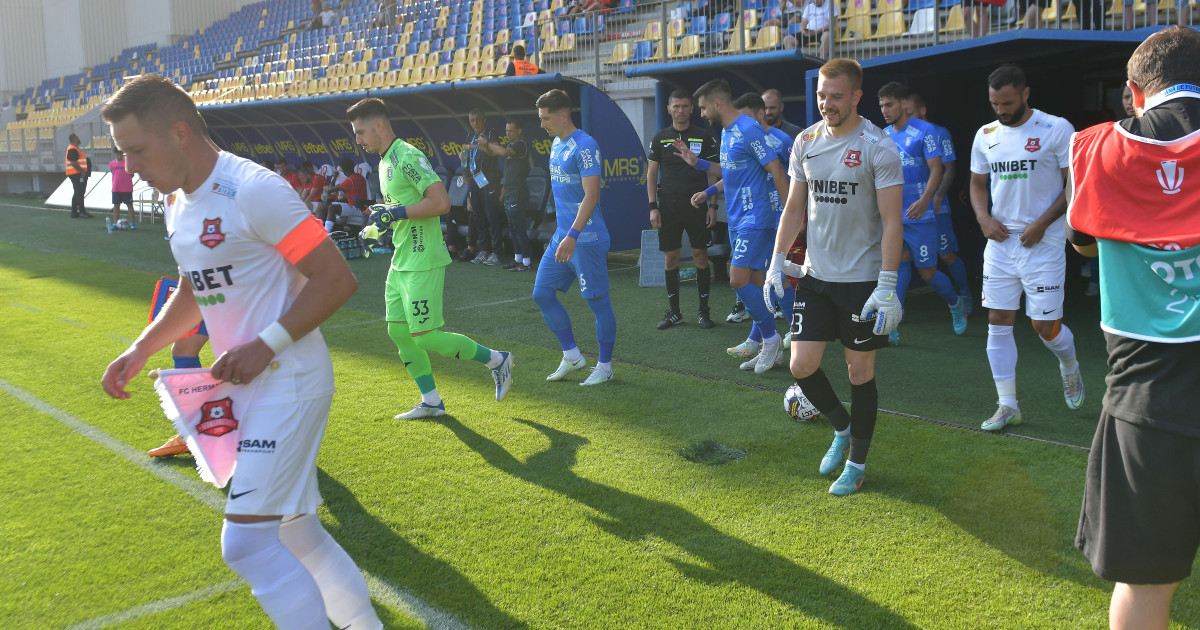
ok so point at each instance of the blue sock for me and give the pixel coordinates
(186, 362)
(606, 326)
(903, 278)
(941, 284)
(555, 316)
(751, 296)
(958, 275)
(755, 333)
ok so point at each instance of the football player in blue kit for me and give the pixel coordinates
(756, 187)
(921, 160)
(579, 249)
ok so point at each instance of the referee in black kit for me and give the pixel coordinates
(670, 184)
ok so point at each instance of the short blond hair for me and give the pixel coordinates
(843, 67)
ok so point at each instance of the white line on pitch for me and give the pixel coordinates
(161, 605)
(463, 308)
(206, 494)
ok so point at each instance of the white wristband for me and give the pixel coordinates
(276, 337)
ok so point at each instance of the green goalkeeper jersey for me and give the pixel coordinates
(404, 174)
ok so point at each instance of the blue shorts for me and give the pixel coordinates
(751, 248)
(947, 241)
(588, 265)
(920, 239)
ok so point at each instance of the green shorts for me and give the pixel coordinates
(415, 297)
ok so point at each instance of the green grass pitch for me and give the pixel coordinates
(562, 507)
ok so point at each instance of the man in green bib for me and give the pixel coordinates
(413, 199)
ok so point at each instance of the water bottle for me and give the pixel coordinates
(108, 224)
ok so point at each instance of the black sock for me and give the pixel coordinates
(820, 393)
(703, 281)
(673, 289)
(864, 405)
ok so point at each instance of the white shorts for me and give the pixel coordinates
(1009, 269)
(276, 471)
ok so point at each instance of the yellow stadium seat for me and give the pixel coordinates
(749, 18)
(888, 6)
(566, 43)
(502, 65)
(458, 70)
(689, 46)
(444, 73)
(472, 71)
(367, 82)
(653, 32)
(503, 34)
(472, 54)
(423, 47)
(676, 28)
(891, 24)
(620, 53)
(460, 55)
(409, 61)
(550, 44)
(954, 20)
(857, 27)
(768, 38)
(343, 84)
(740, 42)
(489, 51)
(488, 68)
(475, 40)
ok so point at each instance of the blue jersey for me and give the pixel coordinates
(778, 140)
(570, 161)
(947, 145)
(750, 195)
(917, 143)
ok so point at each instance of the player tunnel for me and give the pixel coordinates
(434, 119)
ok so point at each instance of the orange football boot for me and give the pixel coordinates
(174, 446)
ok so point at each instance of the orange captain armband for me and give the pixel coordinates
(302, 240)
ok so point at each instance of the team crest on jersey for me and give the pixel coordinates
(1033, 145)
(212, 235)
(809, 136)
(853, 158)
(216, 418)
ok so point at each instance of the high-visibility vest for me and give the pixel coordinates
(82, 161)
(524, 67)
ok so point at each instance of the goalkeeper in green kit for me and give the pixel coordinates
(413, 199)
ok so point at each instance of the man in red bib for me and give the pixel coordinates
(1135, 187)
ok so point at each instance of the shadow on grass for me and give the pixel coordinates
(378, 549)
(631, 517)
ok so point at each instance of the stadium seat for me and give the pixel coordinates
(502, 65)
(891, 24)
(924, 21)
(676, 27)
(888, 6)
(954, 19)
(689, 46)
(625, 6)
(642, 51)
(917, 5)
(768, 38)
(652, 32)
(502, 36)
(723, 22)
(749, 19)
(740, 42)
(566, 43)
(699, 25)
(857, 27)
(620, 54)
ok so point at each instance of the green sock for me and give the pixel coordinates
(454, 345)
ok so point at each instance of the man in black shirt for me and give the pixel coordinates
(670, 184)
(515, 192)
(1132, 204)
(773, 101)
(483, 176)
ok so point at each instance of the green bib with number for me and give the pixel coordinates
(1150, 294)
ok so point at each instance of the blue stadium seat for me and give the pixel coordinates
(564, 27)
(542, 5)
(723, 22)
(751, 5)
(583, 25)
(642, 52)
(625, 6)
(462, 41)
(489, 38)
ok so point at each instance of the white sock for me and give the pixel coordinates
(329, 227)
(283, 587)
(432, 398)
(1063, 347)
(773, 340)
(496, 360)
(858, 466)
(573, 355)
(343, 589)
(1002, 355)
(842, 433)
(604, 367)
(525, 260)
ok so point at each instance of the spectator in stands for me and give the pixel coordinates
(577, 7)
(520, 66)
(483, 175)
(773, 100)
(385, 13)
(349, 194)
(312, 184)
(78, 170)
(1033, 12)
(979, 27)
(814, 27)
(284, 168)
(515, 192)
(122, 188)
(268, 164)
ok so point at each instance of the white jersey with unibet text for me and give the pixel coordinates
(843, 176)
(236, 239)
(1025, 166)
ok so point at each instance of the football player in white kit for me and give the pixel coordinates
(1025, 153)
(261, 272)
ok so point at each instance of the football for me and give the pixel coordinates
(797, 406)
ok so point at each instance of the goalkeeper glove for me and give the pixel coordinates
(773, 286)
(383, 216)
(884, 305)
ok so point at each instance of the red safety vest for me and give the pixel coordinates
(1135, 190)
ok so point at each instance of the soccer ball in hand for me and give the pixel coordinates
(796, 404)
